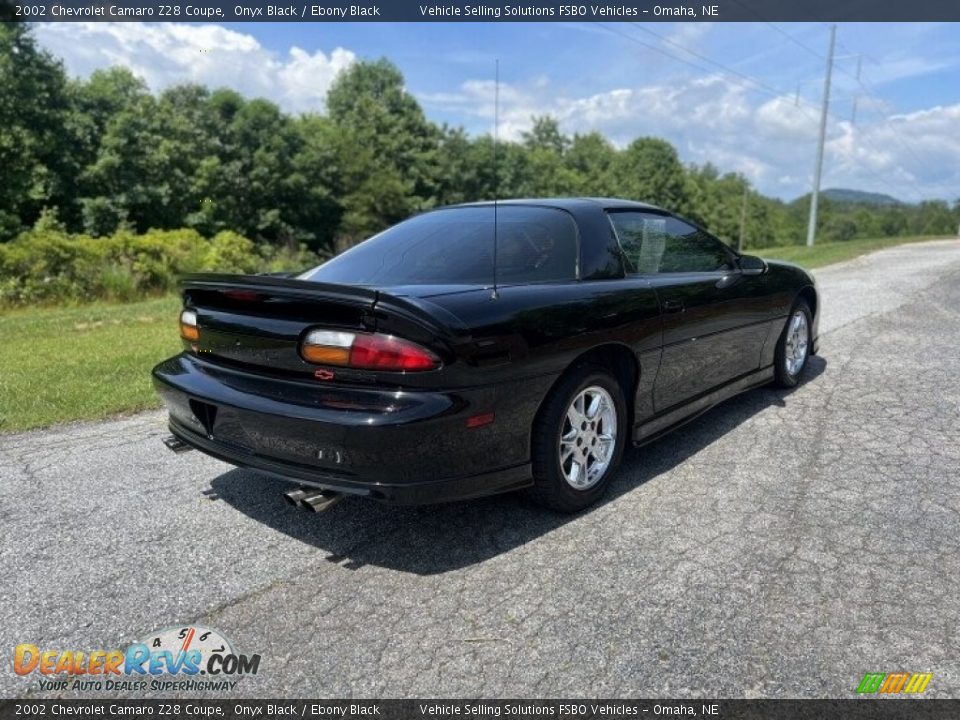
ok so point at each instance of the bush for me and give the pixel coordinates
(47, 265)
(231, 252)
(289, 259)
(840, 229)
(117, 283)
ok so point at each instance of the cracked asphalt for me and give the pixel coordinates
(781, 545)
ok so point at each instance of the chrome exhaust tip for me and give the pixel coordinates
(318, 502)
(293, 497)
(176, 444)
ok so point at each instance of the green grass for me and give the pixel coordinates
(829, 253)
(60, 364)
(88, 362)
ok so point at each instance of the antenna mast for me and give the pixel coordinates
(496, 174)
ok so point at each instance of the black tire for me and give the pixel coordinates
(782, 376)
(551, 488)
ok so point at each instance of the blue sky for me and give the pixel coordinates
(725, 93)
(584, 59)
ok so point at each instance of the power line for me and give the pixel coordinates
(776, 92)
(899, 136)
(873, 95)
(742, 77)
(857, 78)
(794, 40)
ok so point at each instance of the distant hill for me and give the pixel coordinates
(857, 197)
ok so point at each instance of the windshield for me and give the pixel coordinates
(455, 246)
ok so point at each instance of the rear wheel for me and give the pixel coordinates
(578, 440)
(793, 348)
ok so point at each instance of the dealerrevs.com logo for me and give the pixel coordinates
(177, 659)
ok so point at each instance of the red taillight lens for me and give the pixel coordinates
(385, 352)
(368, 351)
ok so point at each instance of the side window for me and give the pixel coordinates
(663, 244)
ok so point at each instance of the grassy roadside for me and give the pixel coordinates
(829, 253)
(60, 364)
(88, 362)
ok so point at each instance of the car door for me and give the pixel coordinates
(714, 319)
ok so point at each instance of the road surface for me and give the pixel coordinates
(781, 545)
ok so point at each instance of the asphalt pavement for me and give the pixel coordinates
(782, 545)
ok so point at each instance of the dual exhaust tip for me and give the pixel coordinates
(307, 498)
(312, 500)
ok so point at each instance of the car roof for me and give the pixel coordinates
(570, 203)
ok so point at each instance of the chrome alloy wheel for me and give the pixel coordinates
(795, 351)
(588, 437)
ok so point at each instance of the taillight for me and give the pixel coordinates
(188, 326)
(370, 351)
(244, 295)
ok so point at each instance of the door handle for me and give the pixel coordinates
(672, 306)
(728, 280)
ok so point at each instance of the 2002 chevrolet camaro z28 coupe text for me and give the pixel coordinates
(482, 348)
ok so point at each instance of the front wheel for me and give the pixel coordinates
(578, 440)
(793, 348)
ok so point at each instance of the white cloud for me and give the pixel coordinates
(715, 119)
(171, 53)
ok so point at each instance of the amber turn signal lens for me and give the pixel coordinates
(188, 326)
(326, 355)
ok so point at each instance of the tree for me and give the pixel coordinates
(649, 170)
(93, 103)
(147, 162)
(316, 178)
(545, 135)
(259, 145)
(934, 218)
(388, 150)
(461, 172)
(33, 143)
(592, 160)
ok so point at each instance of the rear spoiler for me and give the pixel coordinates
(437, 319)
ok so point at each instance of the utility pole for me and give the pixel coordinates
(815, 195)
(743, 218)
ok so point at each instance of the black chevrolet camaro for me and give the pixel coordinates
(482, 348)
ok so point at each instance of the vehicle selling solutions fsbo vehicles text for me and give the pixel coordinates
(562, 11)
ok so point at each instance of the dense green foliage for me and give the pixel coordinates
(106, 158)
(48, 265)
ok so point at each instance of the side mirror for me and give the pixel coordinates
(752, 265)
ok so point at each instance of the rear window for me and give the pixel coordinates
(455, 246)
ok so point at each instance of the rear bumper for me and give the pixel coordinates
(391, 445)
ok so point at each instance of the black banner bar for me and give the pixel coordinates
(853, 709)
(483, 11)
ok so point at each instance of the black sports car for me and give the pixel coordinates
(482, 348)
